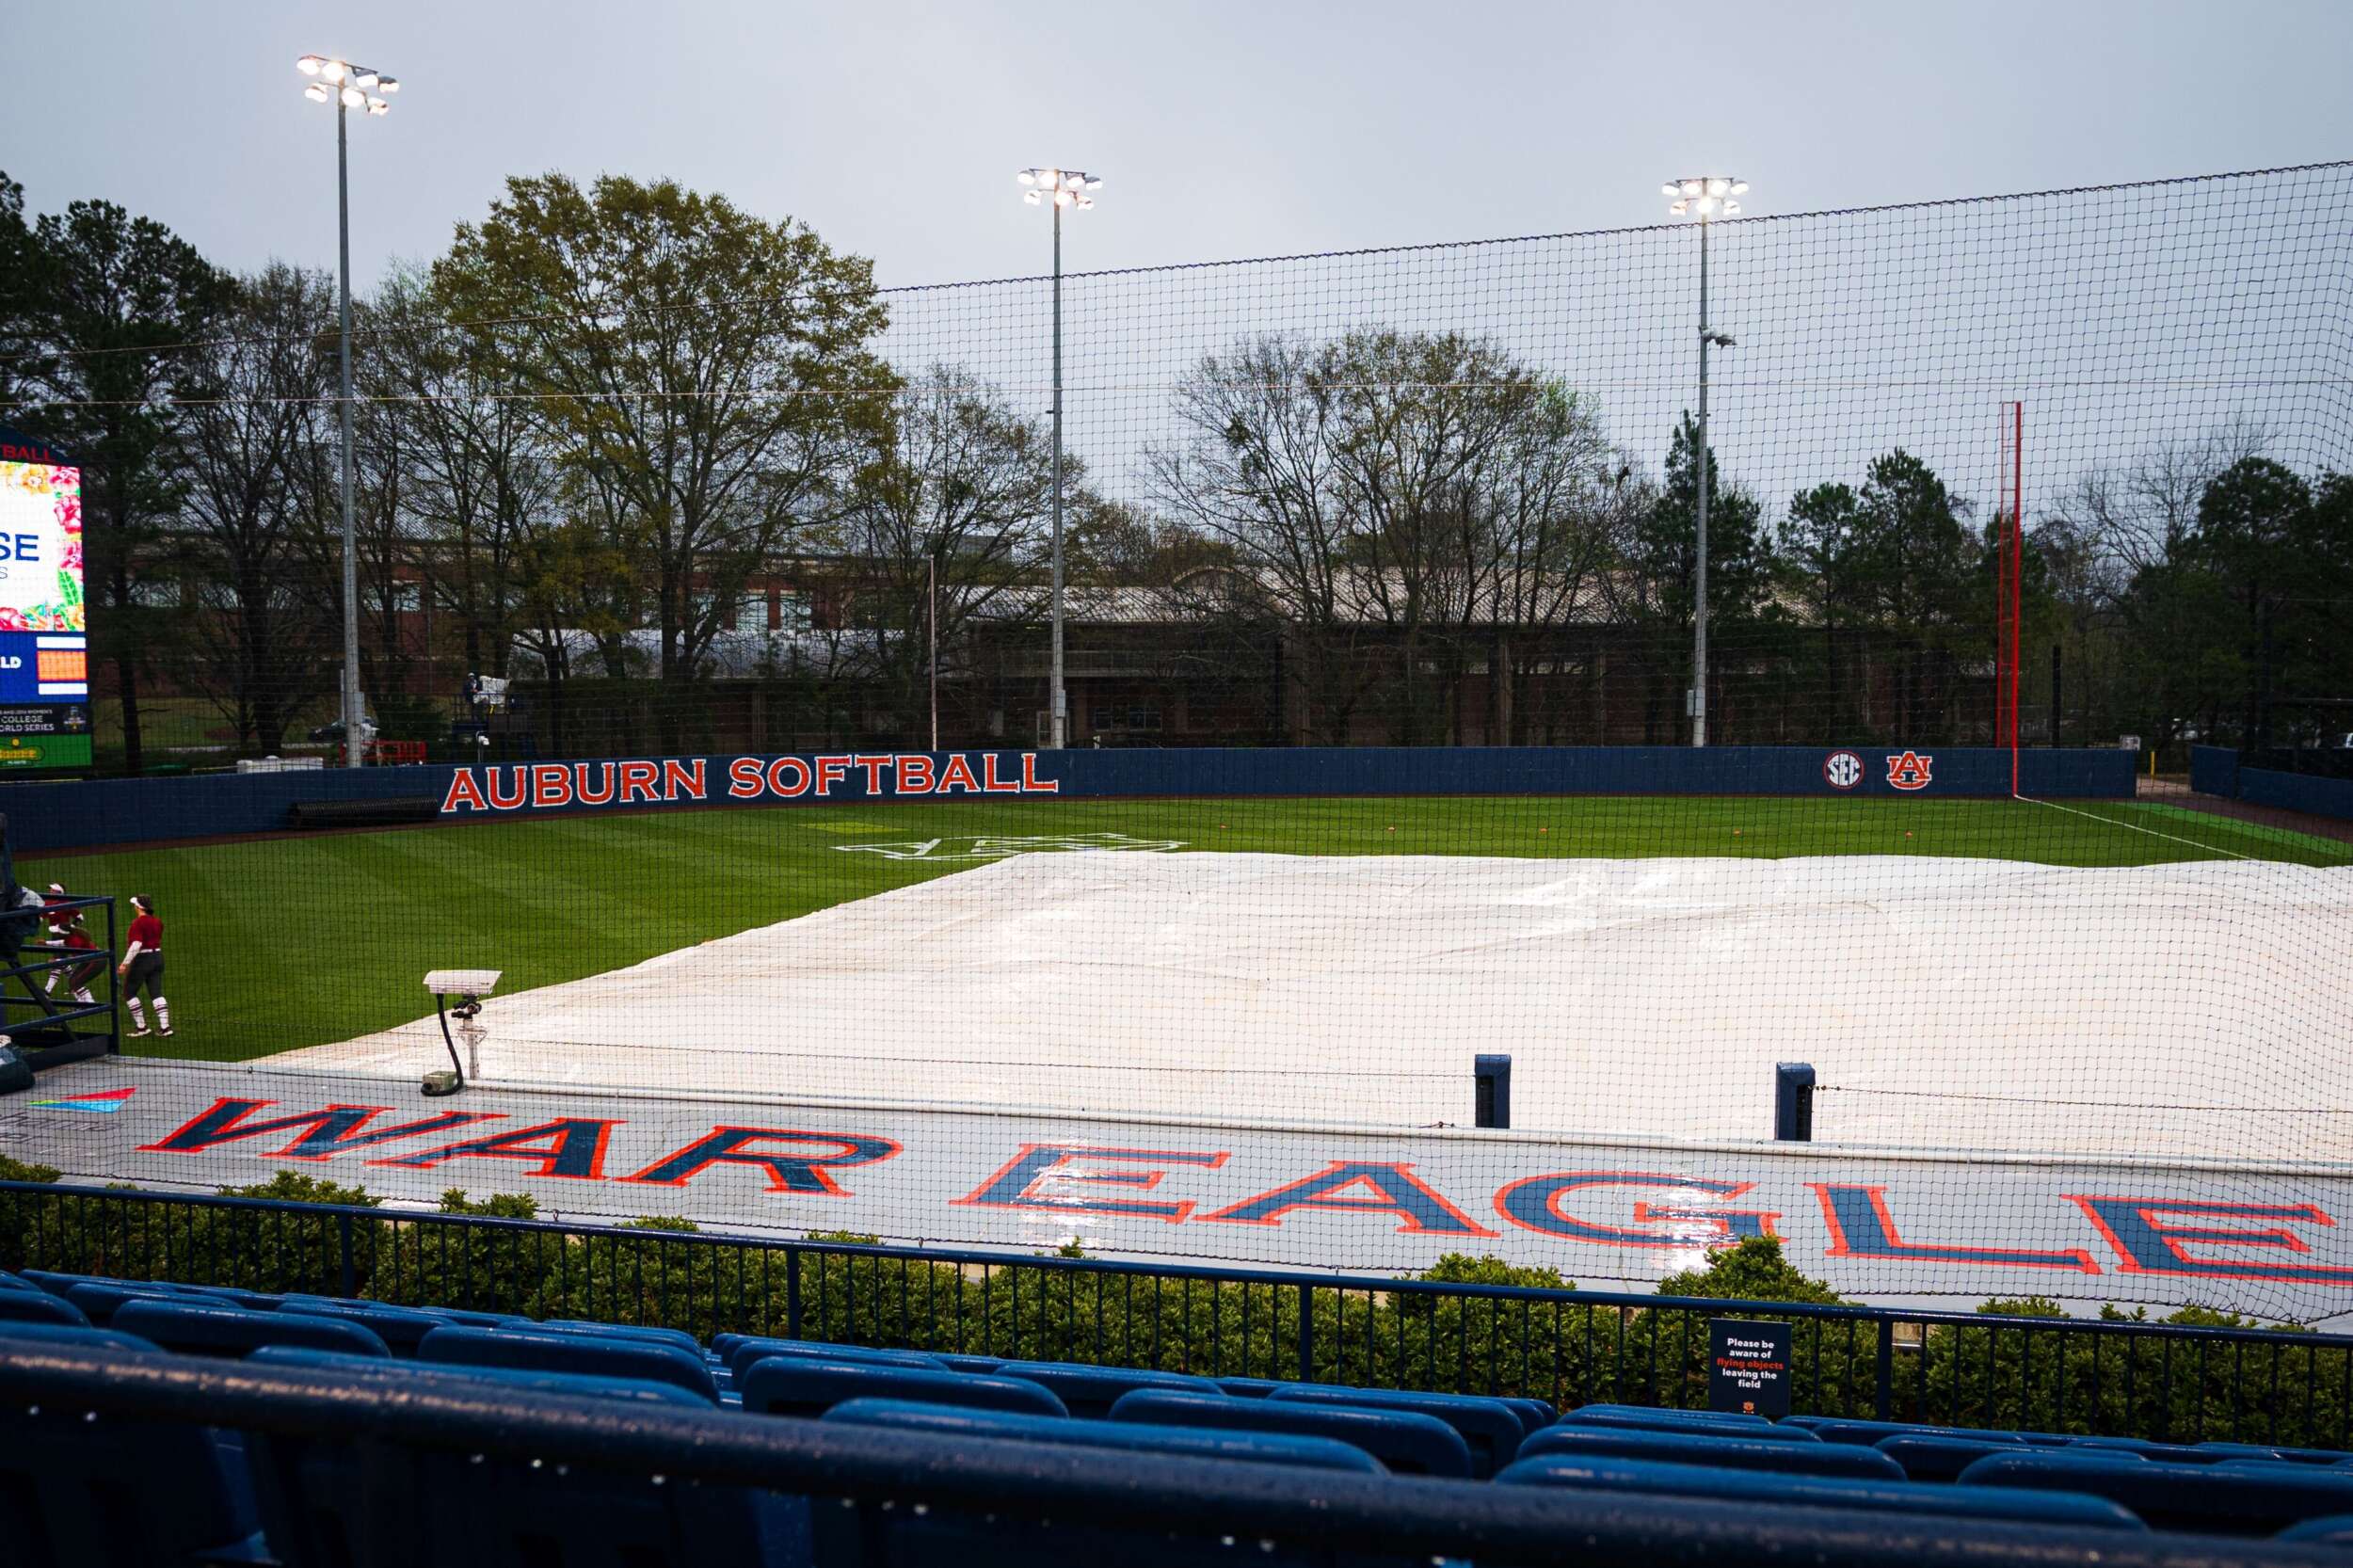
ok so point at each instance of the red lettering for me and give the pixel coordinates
(463, 792)
(958, 771)
(1032, 783)
(551, 784)
(994, 785)
(639, 781)
(499, 801)
(683, 780)
(915, 775)
(743, 777)
(829, 773)
(787, 767)
(589, 797)
(873, 767)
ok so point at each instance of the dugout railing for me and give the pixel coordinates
(46, 1026)
(2116, 1375)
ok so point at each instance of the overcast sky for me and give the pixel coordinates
(1222, 129)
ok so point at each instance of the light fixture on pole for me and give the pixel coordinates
(347, 86)
(1061, 187)
(1706, 197)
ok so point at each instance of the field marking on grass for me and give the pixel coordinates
(2311, 843)
(2211, 849)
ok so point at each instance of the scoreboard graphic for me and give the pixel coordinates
(44, 630)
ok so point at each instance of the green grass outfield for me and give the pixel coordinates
(279, 943)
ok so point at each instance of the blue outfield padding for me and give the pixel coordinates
(1739, 1453)
(2225, 1500)
(1090, 1391)
(1897, 1497)
(1320, 1453)
(2214, 771)
(49, 816)
(1491, 1429)
(201, 1329)
(571, 1352)
(795, 1385)
(1404, 1440)
(2296, 792)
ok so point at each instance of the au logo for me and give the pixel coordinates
(1909, 771)
(1842, 770)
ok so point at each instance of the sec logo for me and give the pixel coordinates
(1842, 770)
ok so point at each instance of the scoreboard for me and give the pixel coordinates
(44, 628)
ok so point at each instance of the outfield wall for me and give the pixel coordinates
(53, 816)
(2215, 771)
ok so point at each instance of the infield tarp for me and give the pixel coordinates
(2197, 1009)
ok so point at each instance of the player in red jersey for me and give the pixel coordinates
(142, 967)
(65, 931)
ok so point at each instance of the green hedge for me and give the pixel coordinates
(646, 1271)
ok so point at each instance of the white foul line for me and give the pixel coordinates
(2210, 849)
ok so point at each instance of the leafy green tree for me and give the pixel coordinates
(707, 374)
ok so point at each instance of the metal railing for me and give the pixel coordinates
(2168, 1382)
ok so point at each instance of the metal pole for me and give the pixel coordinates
(931, 575)
(353, 750)
(1061, 722)
(1699, 579)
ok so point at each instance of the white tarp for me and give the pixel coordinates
(2201, 1010)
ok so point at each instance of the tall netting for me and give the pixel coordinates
(733, 755)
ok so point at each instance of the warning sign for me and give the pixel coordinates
(1748, 1367)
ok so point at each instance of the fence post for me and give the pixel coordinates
(1887, 1379)
(350, 1273)
(1793, 1102)
(791, 1292)
(1306, 1332)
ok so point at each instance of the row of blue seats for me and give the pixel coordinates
(376, 1461)
(2110, 1483)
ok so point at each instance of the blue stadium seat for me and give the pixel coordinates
(877, 1534)
(253, 1301)
(1682, 1420)
(2335, 1529)
(204, 1329)
(10, 1282)
(1490, 1428)
(1249, 1388)
(2225, 1500)
(1739, 1453)
(2175, 1453)
(1401, 1440)
(1868, 1433)
(39, 1306)
(677, 1336)
(959, 1362)
(1899, 1497)
(401, 1328)
(1320, 1453)
(72, 1334)
(1926, 1458)
(571, 1353)
(1090, 1391)
(796, 1385)
(741, 1355)
(82, 1491)
(328, 1503)
(1697, 1417)
(2260, 1450)
(590, 1385)
(99, 1300)
(1534, 1415)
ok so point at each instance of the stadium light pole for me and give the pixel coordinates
(1706, 197)
(1061, 189)
(347, 86)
